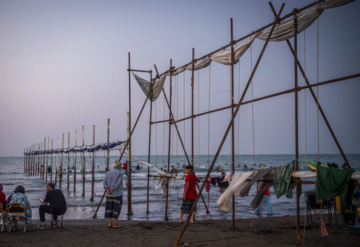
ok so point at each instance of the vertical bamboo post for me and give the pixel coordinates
(149, 151)
(108, 150)
(68, 163)
(44, 167)
(129, 145)
(38, 159)
(51, 160)
(93, 168)
(232, 116)
(24, 160)
(32, 161)
(47, 159)
(298, 230)
(83, 160)
(75, 161)
(61, 174)
(169, 147)
(192, 106)
(57, 160)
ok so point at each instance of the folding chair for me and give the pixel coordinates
(15, 213)
(311, 204)
(61, 216)
(2, 218)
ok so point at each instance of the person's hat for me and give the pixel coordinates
(189, 167)
(1, 187)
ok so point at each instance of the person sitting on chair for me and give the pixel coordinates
(19, 197)
(57, 206)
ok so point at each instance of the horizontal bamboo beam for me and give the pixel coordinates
(266, 97)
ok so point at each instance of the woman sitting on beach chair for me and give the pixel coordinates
(18, 208)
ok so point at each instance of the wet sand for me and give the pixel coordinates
(271, 231)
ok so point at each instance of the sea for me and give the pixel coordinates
(80, 207)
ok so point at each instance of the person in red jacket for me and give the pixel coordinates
(2, 197)
(190, 193)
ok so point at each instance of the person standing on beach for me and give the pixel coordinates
(265, 202)
(57, 206)
(190, 193)
(222, 183)
(113, 184)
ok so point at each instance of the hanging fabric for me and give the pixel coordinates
(224, 57)
(177, 71)
(238, 182)
(285, 30)
(146, 86)
(200, 64)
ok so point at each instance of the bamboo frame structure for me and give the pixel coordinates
(33, 162)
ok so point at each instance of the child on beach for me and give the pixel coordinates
(190, 193)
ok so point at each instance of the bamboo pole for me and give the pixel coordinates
(39, 159)
(75, 161)
(47, 159)
(192, 107)
(83, 161)
(169, 147)
(108, 150)
(149, 150)
(44, 168)
(129, 143)
(57, 161)
(61, 174)
(93, 169)
(229, 125)
(297, 180)
(51, 161)
(68, 164)
(232, 125)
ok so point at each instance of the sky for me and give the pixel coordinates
(63, 65)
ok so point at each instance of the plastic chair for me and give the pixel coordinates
(15, 213)
(311, 204)
(61, 216)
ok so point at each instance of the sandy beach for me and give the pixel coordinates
(275, 231)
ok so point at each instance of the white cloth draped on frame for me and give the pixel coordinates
(285, 30)
(200, 64)
(237, 183)
(146, 86)
(224, 57)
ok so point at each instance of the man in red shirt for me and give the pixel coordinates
(125, 168)
(2, 197)
(190, 193)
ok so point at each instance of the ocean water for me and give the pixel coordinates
(80, 207)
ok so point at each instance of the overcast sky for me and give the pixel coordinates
(63, 65)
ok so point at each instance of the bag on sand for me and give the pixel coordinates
(323, 230)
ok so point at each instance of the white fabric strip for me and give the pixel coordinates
(224, 57)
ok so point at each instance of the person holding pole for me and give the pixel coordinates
(113, 184)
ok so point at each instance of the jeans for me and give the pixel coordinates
(265, 201)
(45, 209)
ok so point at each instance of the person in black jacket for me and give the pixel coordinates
(57, 206)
